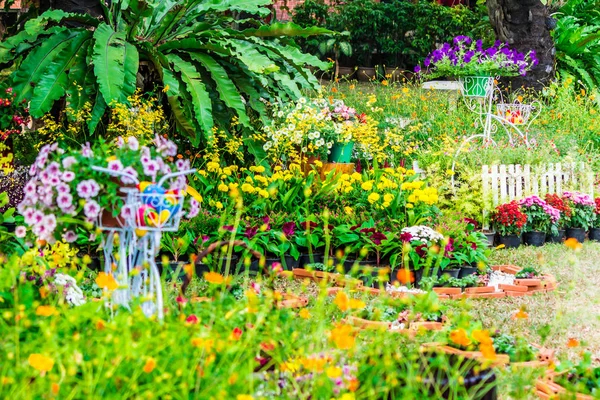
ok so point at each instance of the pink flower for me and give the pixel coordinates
(68, 162)
(115, 165)
(49, 221)
(20, 231)
(67, 176)
(64, 201)
(127, 212)
(151, 168)
(88, 188)
(119, 142)
(30, 188)
(86, 150)
(133, 143)
(62, 188)
(132, 173)
(69, 236)
(194, 208)
(192, 319)
(91, 209)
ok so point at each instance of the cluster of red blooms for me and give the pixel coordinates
(12, 115)
(557, 202)
(597, 201)
(510, 214)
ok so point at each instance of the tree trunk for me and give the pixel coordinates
(523, 25)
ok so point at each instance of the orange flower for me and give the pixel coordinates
(40, 362)
(304, 313)
(384, 82)
(521, 314)
(55, 388)
(459, 336)
(487, 350)
(353, 385)
(100, 325)
(45, 311)
(216, 278)
(572, 342)
(106, 281)
(482, 336)
(150, 365)
(334, 90)
(573, 244)
(343, 336)
(405, 276)
(267, 346)
(341, 300)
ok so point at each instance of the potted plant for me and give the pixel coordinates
(541, 218)
(508, 220)
(475, 65)
(583, 214)
(421, 253)
(558, 203)
(594, 232)
(66, 190)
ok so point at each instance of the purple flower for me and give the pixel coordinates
(251, 231)
(91, 209)
(87, 189)
(86, 150)
(127, 212)
(194, 208)
(119, 142)
(289, 228)
(132, 173)
(228, 228)
(64, 201)
(417, 69)
(151, 168)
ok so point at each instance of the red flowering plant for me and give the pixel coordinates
(565, 209)
(508, 219)
(13, 115)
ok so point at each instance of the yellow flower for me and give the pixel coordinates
(150, 365)
(356, 304)
(373, 197)
(45, 311)
(106, 281)
(212, 166)
(388, 197)
(248, 188)
(449, 172)
(341, 300)
(348, 210)
(334, 372)
(41, 362)
(260, 169)
(219, 205)
(223, 187)
(368, 185)
(304, 314)
(244, 397)
(263, 193)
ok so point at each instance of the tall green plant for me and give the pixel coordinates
(211, 66)
(577, 37)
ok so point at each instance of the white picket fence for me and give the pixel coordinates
(503, 183)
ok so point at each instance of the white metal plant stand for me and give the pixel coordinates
(137, 237)
(494, 115)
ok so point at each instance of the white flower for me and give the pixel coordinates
(267, 146)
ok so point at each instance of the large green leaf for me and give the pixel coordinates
(182, 117)
(53, 82)
(228, 93)
(97, 112)
(115, 64)
(248, 54)
(34, 26)
(247, 6)
(79, 79)
(197, 90)
(31, 69)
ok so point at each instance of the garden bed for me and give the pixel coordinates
(547, 388)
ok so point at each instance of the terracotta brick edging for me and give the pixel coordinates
(546, 388)
(411, 331)
(544, 357)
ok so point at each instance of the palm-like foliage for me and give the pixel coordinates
(211, 65)
(577, 38)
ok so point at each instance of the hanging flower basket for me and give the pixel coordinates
(157, 209)
(515, 113)
(476, 86)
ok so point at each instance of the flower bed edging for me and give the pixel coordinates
(546, 388)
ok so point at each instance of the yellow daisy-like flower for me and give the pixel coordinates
(368, 185)
(373, 198)
(223, 187)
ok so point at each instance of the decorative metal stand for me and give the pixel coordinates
(133, 262)
(479, 95)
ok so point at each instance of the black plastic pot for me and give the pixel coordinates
(594, 234)
(576, 233)
(477, 383)
(556, 238)
(534, 238)
(452, 272)
(467, 270)
(290, 263)
(510, 241)
(490, 237)
(305, 259)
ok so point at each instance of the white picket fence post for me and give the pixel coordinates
(503, 183)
